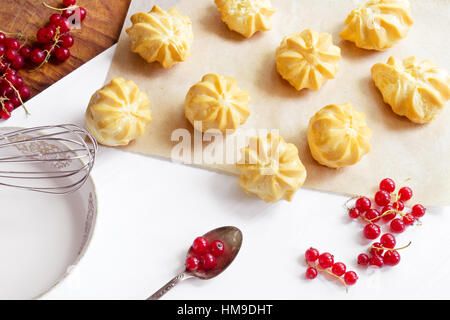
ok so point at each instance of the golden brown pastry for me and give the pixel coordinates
(415, 89)
(118, 113)
(307, 59)
(271, 168)
(379, 24)
(246, 16)
(338, 135)
(216, 102)
(163, 36)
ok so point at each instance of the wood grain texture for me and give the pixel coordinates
(99, 31)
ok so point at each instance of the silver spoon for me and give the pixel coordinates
(232, 240)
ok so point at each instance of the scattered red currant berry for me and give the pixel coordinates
(338, 269)
(418, 210)
(200, 245)
(405, 193)
(399, 205)
(62, 54)
(311, 255)
(192, 263)
(371, 231)
(374, 251)
(382, 198)
(408, 219)
(363, 259)
(326, 260)
(391, 258)
(363, 204)
(387, 240)
(216, 248)
(389, 216)
(350, 278)
(37, 56)
(208, 261)
(372, 215)
(387, 185)
(397, 225)
(354, 213)
(311, 273)
(376, 261)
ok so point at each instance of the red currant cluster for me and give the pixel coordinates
(203, 255)
(325, 262)
(390, 204)
(382, 253)
(52, 40)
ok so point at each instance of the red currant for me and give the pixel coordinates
(387, 185)
(68, 3)
(216, 248)
(350, 278)
(2, 49)
(363, 259)
(12, 78)
(45, 35)
(399, 205)
(15, 101)
(382, 198)
(376, 261)
(200, 245)
(55, 18)
(363, 204)
(64, 25)
(371, 231)
(354, 213)
(19, 82)
(408, 219)
(66, 40)
(9, 106)
(387, 240)
(311, 255)
(338, 269)
(18, 63)
(37, 56)
(391, 258)
(374, 251)
(192, 263)
(11, 55)
(4, 115)
(62, 54)
(397, 225)
(311, 273)
(12, 43)
(25, 52)
(208, 261)
(326, 260)
(2, 37)
(67, 13)
(24, 92)
(405, 193)
(389, 216)
(418, 210)
(83, 13)
(372, 215)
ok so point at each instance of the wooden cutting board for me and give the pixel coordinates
(99, 31)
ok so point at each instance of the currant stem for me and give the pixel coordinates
(60, 9)
(390, 249)
(330, 273)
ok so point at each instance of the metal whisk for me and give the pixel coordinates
(50, 159)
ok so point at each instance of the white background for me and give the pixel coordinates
(150, 210)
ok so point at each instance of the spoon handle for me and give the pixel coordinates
(172, 283)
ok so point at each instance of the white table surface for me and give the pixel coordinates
(150, 210)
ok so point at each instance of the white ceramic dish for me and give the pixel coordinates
(42, 236)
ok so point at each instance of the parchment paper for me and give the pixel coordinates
(400, 148)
